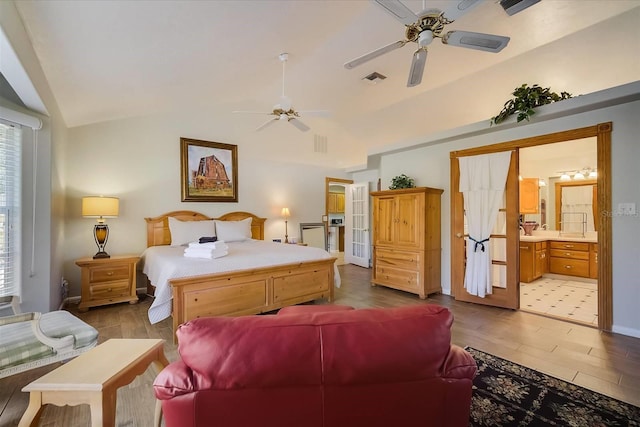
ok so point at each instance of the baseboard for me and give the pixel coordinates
(626, 331)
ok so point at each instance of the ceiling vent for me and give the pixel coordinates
(514, 6)
(319, 143)
(374, 78)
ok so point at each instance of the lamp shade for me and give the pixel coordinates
(98, 206)
(285, 213)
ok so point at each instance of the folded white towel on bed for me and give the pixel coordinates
(204, 253)
(220, 244)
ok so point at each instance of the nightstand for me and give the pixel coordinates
(107, 281)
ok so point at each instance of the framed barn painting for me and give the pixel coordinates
(209, 171)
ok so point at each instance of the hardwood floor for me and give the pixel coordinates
(608, 363)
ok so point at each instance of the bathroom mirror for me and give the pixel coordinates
(576, 196)
(314, 234)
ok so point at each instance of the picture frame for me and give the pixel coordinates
(209, 171)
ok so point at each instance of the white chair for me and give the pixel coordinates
(12, 301)
(31, 340)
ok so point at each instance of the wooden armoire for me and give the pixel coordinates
(406, 239)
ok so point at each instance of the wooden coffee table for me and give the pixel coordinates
(93, 378)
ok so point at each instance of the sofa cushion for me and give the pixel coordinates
(330, 347)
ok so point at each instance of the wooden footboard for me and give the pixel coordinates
(251, 291)
(240, 292)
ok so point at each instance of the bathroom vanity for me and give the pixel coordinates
(540, 254)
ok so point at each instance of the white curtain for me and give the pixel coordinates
(577, 202)
(482, 183)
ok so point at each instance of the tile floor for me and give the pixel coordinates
(564, 299)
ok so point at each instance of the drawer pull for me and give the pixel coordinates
(567, 266)
(110, 273)
(568, 246)
(567, 253)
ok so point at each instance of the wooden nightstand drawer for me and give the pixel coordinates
(106, 290)
(109, 273)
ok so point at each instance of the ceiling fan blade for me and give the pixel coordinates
(398, 10)
(459, 8)
(417, 67)
(317, 113)
(479, 41)
(267, 123)
(251, 112)
(297, 123)
(371, 55)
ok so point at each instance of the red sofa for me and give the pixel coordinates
(324, 366)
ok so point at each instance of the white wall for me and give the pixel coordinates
(41, 291)
(138, 160)
(430, 166)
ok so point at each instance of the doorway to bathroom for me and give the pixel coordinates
(511, 264)
(558, 242)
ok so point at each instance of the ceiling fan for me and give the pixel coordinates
(284, 110)
(424, 27)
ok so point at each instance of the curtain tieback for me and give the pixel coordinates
(478, 243)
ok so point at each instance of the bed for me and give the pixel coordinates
(241, 283)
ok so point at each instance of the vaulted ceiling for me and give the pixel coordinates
(108, 60)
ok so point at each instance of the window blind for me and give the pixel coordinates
(10, 196)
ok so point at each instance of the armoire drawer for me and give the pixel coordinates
(396, 278)
(399, 259)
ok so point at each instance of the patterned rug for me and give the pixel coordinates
(508, 394)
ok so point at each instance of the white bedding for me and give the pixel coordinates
(163, 263)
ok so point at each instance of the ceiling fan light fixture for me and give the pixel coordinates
(425, 38)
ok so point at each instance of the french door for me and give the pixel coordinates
(504, 241)
(356, 239)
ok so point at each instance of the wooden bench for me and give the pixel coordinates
(93, 378)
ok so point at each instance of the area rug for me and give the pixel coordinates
(508, 394)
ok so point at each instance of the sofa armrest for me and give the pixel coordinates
(174, 380)
(321, 308)
(459, 364)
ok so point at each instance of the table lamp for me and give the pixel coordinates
(285, 213)
(101, 208)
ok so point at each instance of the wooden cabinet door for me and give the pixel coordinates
(526, 261)
(340, 203)
(529, 195)
(409, 220)
(332, 205)
(384, 218)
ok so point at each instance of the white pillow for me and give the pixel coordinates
(183, 232)
(234, 231)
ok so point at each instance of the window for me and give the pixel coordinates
(10, 194)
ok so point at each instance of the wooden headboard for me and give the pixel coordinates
(158, 233)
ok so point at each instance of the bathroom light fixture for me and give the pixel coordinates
(565, 177)
(593, 173)
(578, 175)
(542, 183)
(101, 208)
